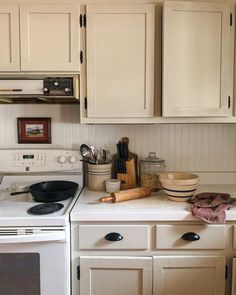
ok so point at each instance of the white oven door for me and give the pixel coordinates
(34, 261)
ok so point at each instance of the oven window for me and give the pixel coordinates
(19, 274)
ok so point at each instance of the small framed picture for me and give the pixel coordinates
(34, 130)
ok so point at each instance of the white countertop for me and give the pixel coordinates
(154, 208)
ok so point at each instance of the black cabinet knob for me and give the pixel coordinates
(190, 236)
(113, 237)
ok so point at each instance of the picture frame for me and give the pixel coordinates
(34, 130)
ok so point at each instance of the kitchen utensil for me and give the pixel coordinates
(86, 153)
(87, 161)
(104, 156)
(126, 165)
(130, 168)
(149, 170)
(108, 156)
(97, 175)
(179, 186)
(51, 191)
(179, 193)
(94, 154)
(112, 185)
(126, 195)
(179, 178)
(121, 168)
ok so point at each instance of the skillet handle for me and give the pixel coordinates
(19, 193)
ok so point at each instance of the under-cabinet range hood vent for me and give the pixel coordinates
(43, 88)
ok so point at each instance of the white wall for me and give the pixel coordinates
(185, 147)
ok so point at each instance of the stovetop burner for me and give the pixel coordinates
(46, 208)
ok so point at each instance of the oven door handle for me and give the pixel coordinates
(45, 237)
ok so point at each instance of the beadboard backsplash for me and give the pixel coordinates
(185, 147)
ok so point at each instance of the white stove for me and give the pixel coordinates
(35, 247)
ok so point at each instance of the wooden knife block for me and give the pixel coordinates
(128, 179)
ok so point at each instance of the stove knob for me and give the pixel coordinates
(56, 83)
(72, 159)
(61, 159)
(67, 90)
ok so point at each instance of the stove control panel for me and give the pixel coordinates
(35, 160)
(27, 160)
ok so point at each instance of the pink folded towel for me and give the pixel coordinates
(210, 207)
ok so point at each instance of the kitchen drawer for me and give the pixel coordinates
(210, 237)
(133, 237)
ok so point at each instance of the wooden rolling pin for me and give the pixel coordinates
(130, 194)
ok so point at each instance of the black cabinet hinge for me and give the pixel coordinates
(85, 20)
(229, 102)
(78, 272)
(85, 103)
(81, 20)
(231, 19)
(81, 56)
(226, 271)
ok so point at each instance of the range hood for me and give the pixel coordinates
(43, 88)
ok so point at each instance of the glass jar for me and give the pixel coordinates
(149, 170)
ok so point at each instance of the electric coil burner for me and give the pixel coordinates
(47, 208)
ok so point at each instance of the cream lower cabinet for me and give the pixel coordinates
(184, 275)
(166, 275)
(116, 275)
(151, 259)
(120, 61)
(198, 43)
(234, 277)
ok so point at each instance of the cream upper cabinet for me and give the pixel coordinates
(49, 37)
(184, 275)
(9, 36)
(120, 61)
(115, 275)
(197, 59)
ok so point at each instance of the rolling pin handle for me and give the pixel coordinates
(106, 199)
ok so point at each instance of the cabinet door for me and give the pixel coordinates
(234, 277)
(49, 37)
(115, 276)
(120, 60)
(198, 60)
(9, 36)
(182, 275)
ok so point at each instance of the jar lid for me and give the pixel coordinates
(153, 159)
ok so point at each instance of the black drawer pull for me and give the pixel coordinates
(113, 237)
(190, 237)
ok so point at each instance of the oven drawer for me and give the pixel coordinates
(107, 237)
(190, 236)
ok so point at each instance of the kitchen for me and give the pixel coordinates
(205, 146)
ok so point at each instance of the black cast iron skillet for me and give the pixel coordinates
(51, 191)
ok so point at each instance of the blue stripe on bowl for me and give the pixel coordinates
(170, 190)
(181, 197)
